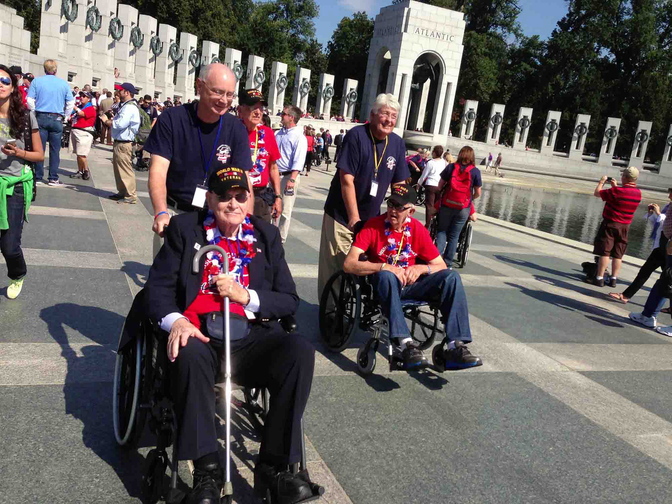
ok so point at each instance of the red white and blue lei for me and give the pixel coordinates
(395, 257)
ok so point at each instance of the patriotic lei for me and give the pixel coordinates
(246, 250)
(393, 247)
(258, 166)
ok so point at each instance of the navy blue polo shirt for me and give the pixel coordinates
(356, 158)
(175, 137)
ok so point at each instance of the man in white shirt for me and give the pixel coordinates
(125, 126)
(293, 148)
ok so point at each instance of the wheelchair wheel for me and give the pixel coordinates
(126, 390)
(438, 358)
(366, 357)
(464, 244)
(153, 480)
(257, 401)
(433, 228)
(340, 306)
(421, 195)
(424, 325)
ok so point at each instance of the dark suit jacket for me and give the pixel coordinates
(172, 287)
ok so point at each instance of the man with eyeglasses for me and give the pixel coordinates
(371, 158)
(393, 243)
(187, 143)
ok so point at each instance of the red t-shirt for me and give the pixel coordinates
(621, 203)
(379, 248)
(89, 119)
(262, 140)
(207, 300)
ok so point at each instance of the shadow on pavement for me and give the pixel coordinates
(578, 275)
(138, 272)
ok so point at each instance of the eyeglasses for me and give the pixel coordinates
(396, 206)
(240, 197)
(230, 95)
(388, 115)
(5, 81)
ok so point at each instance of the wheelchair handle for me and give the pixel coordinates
(195, 265)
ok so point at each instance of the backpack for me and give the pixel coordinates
(458, 192)
(28, 145)
(145, 126)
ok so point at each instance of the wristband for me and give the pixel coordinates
(161, 213)
(382, 266)
(278, 196)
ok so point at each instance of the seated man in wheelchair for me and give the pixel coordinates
(393, 242)
(261, 290)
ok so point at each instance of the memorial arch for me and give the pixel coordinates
(415, 54)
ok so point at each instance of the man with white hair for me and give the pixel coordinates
(372, 157)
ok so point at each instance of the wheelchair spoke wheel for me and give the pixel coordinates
(464, 244)
(126, 390)
(424, 325)
(340, 306)
(256, 403)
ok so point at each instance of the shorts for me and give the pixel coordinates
(81, 141)
(611, 239)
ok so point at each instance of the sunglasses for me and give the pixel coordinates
(397, 206)
(240, 197)
(5, 81)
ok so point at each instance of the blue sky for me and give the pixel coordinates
(538, 17)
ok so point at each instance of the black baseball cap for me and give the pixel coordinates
(226, 178)
(251, 97)
(403, 194)
(15, 70)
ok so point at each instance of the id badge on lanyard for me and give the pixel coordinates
(374, 188)
(376, 164)
(198, 200)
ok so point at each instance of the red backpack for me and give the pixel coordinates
(458, 192)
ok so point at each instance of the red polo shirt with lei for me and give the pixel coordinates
(239, 252)
(381, 243)
(264, 151)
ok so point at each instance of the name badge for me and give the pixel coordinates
(374, 189)
(199, 197)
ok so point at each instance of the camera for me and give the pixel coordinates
(609, 179)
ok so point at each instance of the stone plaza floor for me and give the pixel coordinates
(570, 406)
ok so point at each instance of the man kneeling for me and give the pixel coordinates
(393, 242)
(261, 290)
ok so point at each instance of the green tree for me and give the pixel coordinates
(30, 12)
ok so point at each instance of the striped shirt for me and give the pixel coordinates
(621, 203)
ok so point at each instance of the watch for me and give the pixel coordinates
(292, 180)
(278, 196)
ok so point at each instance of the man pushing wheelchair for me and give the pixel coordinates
(393, 243)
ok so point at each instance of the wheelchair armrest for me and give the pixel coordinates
(288, 323)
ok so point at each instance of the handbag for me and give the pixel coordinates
(212, 325)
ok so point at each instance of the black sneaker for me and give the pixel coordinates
(413, 358)
(207, 485)
(612, 282)
(283, 486)
(116, 197)
(595, 281)
(460, 357)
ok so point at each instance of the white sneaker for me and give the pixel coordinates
(649, 322)
(665, 330)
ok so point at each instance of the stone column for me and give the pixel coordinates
(438, 105)
(640, 143)
(102, 52)
(233, 58)
(522, 128)
(495, 123)
(422, 109)
(165, 66)
(209, 53)
(15, 41)
(144, 59)
(579, 136)
(609, 141)
(301, 88)
(278, 85)
(186, 69)
(78, 52)
(349, 100)
(324, 95)
(53, 41)
(124, 52)
(551, 128)
(255, 72)
(468, 125)
(404, 97)
(447, 109)
(666, 162)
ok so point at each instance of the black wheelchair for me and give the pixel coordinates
(463, 242)
(141, 398)
(348, 302)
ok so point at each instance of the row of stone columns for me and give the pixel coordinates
(551, 128)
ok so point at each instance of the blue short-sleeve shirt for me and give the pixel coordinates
(175, 136)
(357, 159)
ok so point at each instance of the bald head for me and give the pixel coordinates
(216, 71)
(216, 87)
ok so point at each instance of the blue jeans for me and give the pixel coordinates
(10, 239)
(451, 222)
(655, 301)
(443, 286)
(51, 130)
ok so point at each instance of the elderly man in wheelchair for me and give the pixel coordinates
(188, 306)
(393, 243)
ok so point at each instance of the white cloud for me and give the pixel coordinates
(367, 6)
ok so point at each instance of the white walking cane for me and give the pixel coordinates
(195, 268)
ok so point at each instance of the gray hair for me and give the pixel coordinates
(295, 113)
(385, 100)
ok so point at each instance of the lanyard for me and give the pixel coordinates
(208, 162)
(401, 244)
(376, 161)
(256, 145)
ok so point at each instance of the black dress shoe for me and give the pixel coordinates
(116, 197)
(282, 487)
(208, 483)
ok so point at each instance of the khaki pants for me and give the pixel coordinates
(335, 244)
(287, 204)
(124, 175)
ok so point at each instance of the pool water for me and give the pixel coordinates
(572, 215)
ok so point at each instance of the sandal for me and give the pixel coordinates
(618, 297)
